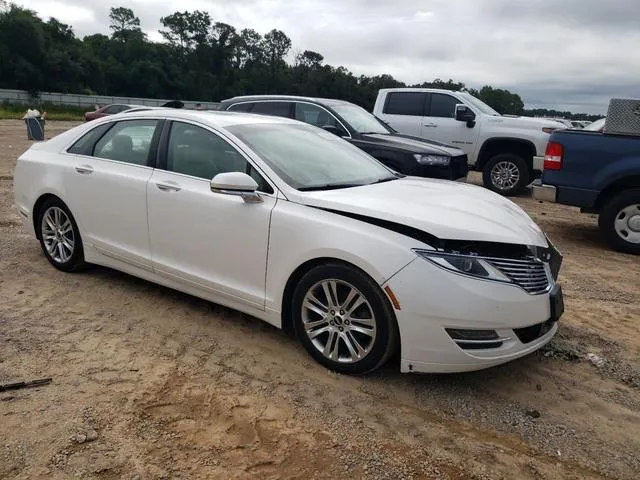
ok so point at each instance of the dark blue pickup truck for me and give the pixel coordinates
(600, 173)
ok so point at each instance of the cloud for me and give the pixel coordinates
(572, 53)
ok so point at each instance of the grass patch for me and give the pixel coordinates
(54, 112)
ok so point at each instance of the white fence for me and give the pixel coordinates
(21, 97)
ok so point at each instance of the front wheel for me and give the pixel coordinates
(619, 221)
(343, 319)
(506, 174)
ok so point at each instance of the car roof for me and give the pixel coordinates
(216, 118)
(420, 90)
(289, 98)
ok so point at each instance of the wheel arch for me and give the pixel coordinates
(35, 212)
(615, 187)
(301, 271)
(496, 146)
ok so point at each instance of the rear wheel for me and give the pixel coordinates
(506, 174)
(619, 221)
(343, 319)
(59, 236)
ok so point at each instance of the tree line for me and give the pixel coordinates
(200, 59)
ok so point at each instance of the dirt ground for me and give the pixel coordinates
(175, 387)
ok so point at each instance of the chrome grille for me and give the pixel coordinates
(531, 274)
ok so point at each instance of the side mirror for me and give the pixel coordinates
(335, 130)
(465, 114)
(238, 184)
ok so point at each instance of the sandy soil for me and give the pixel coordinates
(175, 387)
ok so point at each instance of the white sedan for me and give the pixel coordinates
(295, 226)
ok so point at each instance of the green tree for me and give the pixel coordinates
(124, 24)
(199, 60)
(501, 100)
(185, 30)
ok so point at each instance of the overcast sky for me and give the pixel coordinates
(567, 54)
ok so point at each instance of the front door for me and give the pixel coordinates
(208, 240)
(440, 124)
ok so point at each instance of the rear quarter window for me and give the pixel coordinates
(84, 145)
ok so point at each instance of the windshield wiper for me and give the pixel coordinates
(387, 179)
(330, 186)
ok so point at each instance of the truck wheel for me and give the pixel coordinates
(619, 221)
(506, 174)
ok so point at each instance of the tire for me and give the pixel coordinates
(370, 329)
(619, 221)
(59, 236)
(506, 174)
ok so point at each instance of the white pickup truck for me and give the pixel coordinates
(508, 150)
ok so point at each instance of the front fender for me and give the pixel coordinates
(301, 233)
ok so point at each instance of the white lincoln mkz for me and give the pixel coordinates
(295, 226)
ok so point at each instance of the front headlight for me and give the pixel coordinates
(469, 265)
(433, 160)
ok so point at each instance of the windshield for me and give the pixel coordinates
(596, 126)
(359, 119)
(479, 104)
(309, 158)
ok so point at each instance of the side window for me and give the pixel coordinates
(200, 153)
(127, 141)
(443, 105)
(240, 107)
(405, 103)
(84, 145)
(314, 115)
(278, 109)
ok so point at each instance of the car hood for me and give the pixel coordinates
(525, 122)
(447, 210)
(408, 143)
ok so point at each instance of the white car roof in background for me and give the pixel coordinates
(220, 119)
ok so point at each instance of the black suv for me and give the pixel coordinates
(403, 153)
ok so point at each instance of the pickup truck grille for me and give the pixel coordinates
(531, 275)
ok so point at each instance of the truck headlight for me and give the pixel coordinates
(433, 160)
(469, 265)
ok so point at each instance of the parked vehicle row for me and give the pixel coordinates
(403, 153)
(508, 150)
(293, 225)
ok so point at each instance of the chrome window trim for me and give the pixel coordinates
(293, 118)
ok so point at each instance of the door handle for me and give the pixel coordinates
(84, 169)
(430, 125)
(168, 186)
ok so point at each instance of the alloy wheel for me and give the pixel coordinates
(57, 234)
(505, 175)
(339, 321)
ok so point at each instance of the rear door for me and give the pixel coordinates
(106, 188)
(405, 111)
